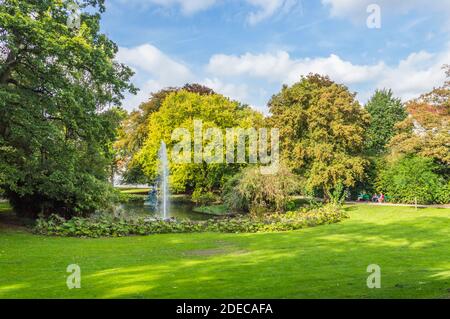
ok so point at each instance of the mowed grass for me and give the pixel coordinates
(411, 247)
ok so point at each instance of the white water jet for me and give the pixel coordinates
(164, 181)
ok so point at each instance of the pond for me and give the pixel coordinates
(181, 209)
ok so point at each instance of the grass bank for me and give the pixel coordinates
(329, 261)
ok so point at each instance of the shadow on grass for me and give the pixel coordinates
(310, 263)
(323, 262)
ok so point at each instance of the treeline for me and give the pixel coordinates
(63, 136)
(328, 141)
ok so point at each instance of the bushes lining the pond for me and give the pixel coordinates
(127, 197)
(108, 226)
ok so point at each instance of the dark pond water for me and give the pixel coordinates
(180, 209)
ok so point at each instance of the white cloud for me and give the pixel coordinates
(279, 67)
(412, 76)
(355, 9)
(234, 91)
(154, 71)
(151, 60)
(416, 74)
(133, 101)
(252, 78)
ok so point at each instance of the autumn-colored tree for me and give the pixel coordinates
(322, 129)
(426, 131)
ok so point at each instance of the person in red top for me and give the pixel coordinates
(381, 198)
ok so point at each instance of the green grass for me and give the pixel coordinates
(218, 210)
(134, 191)
(412, 248)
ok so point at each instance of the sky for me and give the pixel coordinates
(247, 49)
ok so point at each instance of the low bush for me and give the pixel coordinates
(257, 193)
(414, 178)
(203, 198)
(116, 226)
(443, 194)
(126, 197)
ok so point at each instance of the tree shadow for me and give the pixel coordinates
(298, 264)
(323, 262)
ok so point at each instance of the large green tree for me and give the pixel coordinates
(179, 110)
(56, 85)
(134, 130)
(322, 129)
(386, 111)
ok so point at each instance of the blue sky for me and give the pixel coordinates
(246, 49)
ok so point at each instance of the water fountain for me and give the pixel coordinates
(163, 197)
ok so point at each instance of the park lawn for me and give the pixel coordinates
(411, 247)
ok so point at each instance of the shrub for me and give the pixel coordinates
(338, 195)
(203, 198)
(212, 210)
(116, 226)
(126, 197)
(443, 195)
(412, 178)
(258, 193)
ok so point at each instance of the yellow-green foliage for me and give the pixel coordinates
(322, 128)
(180, 110)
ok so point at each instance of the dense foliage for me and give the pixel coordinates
(56, 85)
(426, 131)
(259, 193)
(412, 179)
(322, 129)
(179, 110)
(135, 128)
(385, 111)
(107, 226)
(420, 151)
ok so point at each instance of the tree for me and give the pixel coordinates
(386, 111)
(179, 110)
(322, 130)
(426, 131)
(251, 191)
(134, 130)
(56, 85)
(414, 178)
